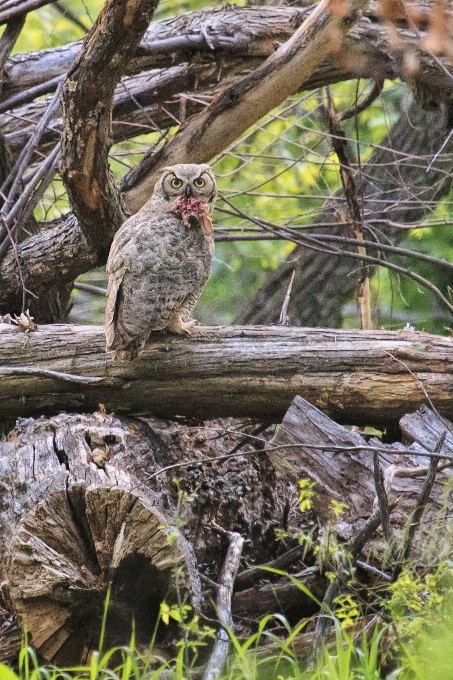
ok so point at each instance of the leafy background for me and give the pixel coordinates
(281, 170)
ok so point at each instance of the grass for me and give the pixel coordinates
(350, 658)
(412, 639)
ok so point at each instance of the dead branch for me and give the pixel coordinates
(14, 8)
(245, 371)
(239, 106)
(87, 109)
(224, 594)
(419, 508)
(382, 501)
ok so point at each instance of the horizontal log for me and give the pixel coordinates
(353, 376)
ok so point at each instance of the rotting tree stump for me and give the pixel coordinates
(79, 513)
(74, 520)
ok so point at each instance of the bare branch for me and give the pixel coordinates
(8, 40)
(13, 8)
(224, 594)
(419, 508)
(87, 109)
(241, 105)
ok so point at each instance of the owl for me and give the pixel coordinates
(160, 260)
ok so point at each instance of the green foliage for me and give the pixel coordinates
(282, 170)
(306, 494)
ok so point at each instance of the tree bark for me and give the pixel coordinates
(354, 376)
(89, 502)
(378, 64)
(87, 111)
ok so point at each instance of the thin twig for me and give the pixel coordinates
(340, 146)
(66, 12)
(47, 373)
(283, 314)
(419, 508)
(8, 40)
(30, 197)
(383, 503)
(88, 288)
(17, 171)
(30, 94)
(313, 244)
(248, 577)
(364, 104)
(373, 570)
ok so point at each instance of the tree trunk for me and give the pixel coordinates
(396, 188)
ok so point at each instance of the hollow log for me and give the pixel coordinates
(354, 376)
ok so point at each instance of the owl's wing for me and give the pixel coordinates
(114, 284)
(116, 268)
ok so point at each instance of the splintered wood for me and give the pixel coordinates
(347, 476)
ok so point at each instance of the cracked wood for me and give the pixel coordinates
(248, 371)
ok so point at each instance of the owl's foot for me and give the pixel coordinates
(177, 325)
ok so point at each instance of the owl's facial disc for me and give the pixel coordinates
(196, 184)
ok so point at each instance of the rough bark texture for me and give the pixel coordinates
(79, 512)
(335, 471)
(396, 187)
(83, 508)
(354, 376)
(73, 256)
(87, 110)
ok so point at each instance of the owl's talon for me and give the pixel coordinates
(177, 325)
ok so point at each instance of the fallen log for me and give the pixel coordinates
(340, 461)
(355, 377)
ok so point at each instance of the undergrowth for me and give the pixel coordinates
(410, 639)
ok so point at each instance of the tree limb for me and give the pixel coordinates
(87, 110)
(232, 371)
(241, 105)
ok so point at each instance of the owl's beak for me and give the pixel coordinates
(188, 191)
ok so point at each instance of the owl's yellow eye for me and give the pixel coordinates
(176, 183)
(199, 182)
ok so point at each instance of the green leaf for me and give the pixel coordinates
(6, 673)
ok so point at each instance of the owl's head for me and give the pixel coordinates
(189, 180)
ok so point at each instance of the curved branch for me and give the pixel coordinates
(87, 110)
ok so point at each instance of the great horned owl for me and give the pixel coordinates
(160, 260)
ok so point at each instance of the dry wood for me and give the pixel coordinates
(233, 371)
(248, 577)
(75, 520)
(348, 477)
(81, 508)
(241, 105)
(87, 110)
(223, 601)
(284, 596)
